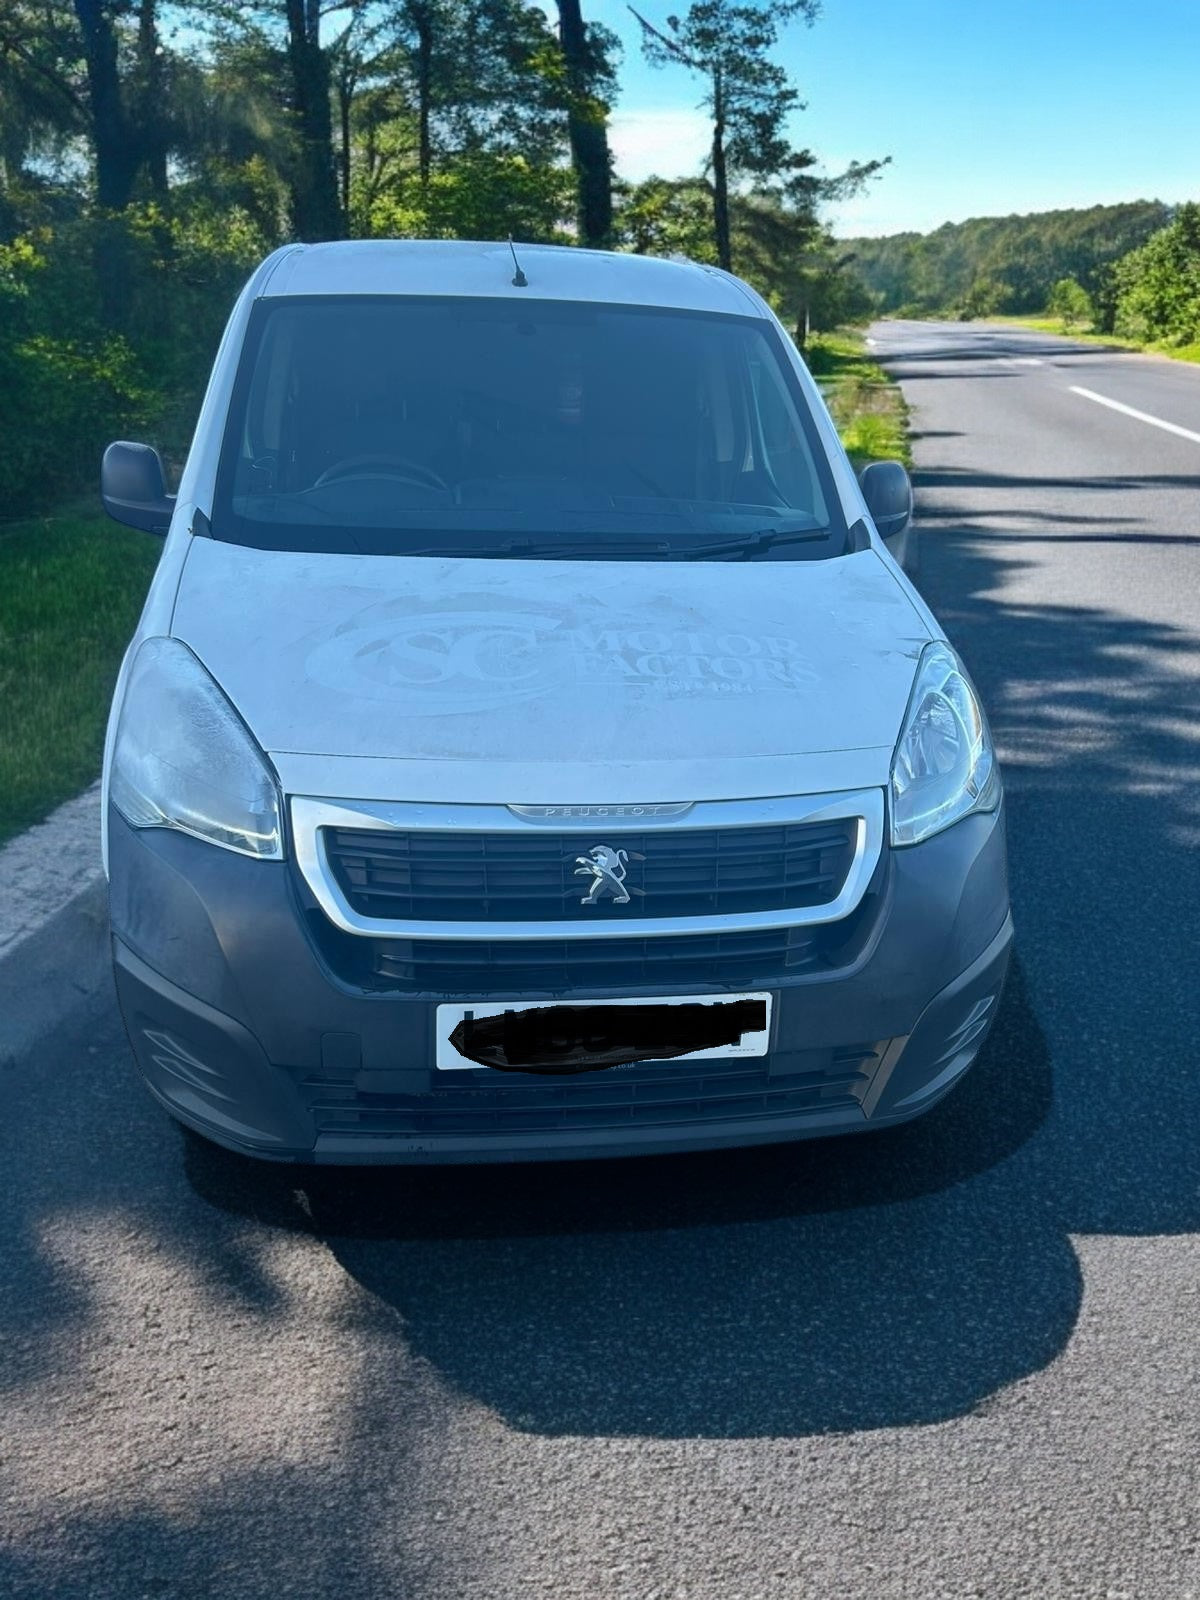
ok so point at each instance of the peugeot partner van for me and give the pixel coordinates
(531, 747)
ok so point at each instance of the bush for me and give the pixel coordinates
(61, 398)
(1158, 286)
(984, 299)
(76, 372)
(1070, 302)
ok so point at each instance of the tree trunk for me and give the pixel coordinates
(720, 176)
(116, 159)
(345, 90)
(315, 211)
(112, 141)
(587, 132)
(423, 22)
(151, 100)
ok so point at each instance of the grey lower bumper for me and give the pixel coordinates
(244, 1034)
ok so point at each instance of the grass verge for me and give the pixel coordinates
(866, 405)
(71, 589)
(1055, 325)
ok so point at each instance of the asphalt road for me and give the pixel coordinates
(956, 1360)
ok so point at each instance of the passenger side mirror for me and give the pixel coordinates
(888, 492)
(133, 488)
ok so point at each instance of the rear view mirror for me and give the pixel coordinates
(888, 492)
(133, 489)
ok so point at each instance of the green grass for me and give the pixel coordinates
(1055, 325)
(71, 589)
(866, 405)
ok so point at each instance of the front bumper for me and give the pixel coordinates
(245, 1032)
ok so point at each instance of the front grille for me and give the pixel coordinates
(434, 875)
(515, 966)
(663, 1096)
(479, 968)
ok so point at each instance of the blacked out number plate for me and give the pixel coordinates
(551, 1036)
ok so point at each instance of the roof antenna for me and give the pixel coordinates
(520, 281)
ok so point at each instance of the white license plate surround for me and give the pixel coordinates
(448, 1017)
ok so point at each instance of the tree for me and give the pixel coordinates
(357, 59)
(747, 96)
(315, 211)
(984, 298)
(96, 70)
(1158, 286)
(289, 33)
(480, 75)
(666, 216)
(588, 53)
(114, 145)
(1069, 302)
(1026, 255)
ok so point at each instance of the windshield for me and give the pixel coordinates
(401, 425)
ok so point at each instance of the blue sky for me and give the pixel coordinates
(985, 106)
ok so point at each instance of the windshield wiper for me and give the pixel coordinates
(601, 549)
(748, 545)
(595, 549)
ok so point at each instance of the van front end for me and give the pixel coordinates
(298, 1009)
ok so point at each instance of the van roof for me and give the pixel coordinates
(476, 270)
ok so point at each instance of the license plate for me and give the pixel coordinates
(578, 1038)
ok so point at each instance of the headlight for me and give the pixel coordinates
(944, 766)
(183, 757)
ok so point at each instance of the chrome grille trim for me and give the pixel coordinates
(310, 815)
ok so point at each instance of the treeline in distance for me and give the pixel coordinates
(1131, 270)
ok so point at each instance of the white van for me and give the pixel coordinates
(530, 747)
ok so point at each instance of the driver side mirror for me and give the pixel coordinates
(133, 488)
(888, 492)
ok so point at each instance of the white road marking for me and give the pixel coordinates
(1139, 416)
(1028, 361)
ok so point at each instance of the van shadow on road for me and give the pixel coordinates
(849, 1283)
(862, 1282)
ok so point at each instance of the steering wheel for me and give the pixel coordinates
(400, 467)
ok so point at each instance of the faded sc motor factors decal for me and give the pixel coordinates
(435, 662)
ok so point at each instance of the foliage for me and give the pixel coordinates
(747, 95)
(69, 381)
(1070, 302)
(984, 298)
(1158, 286)
(61, 385)
(1004, 263)
(484, 196)
(782, 249)
(664, 217)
